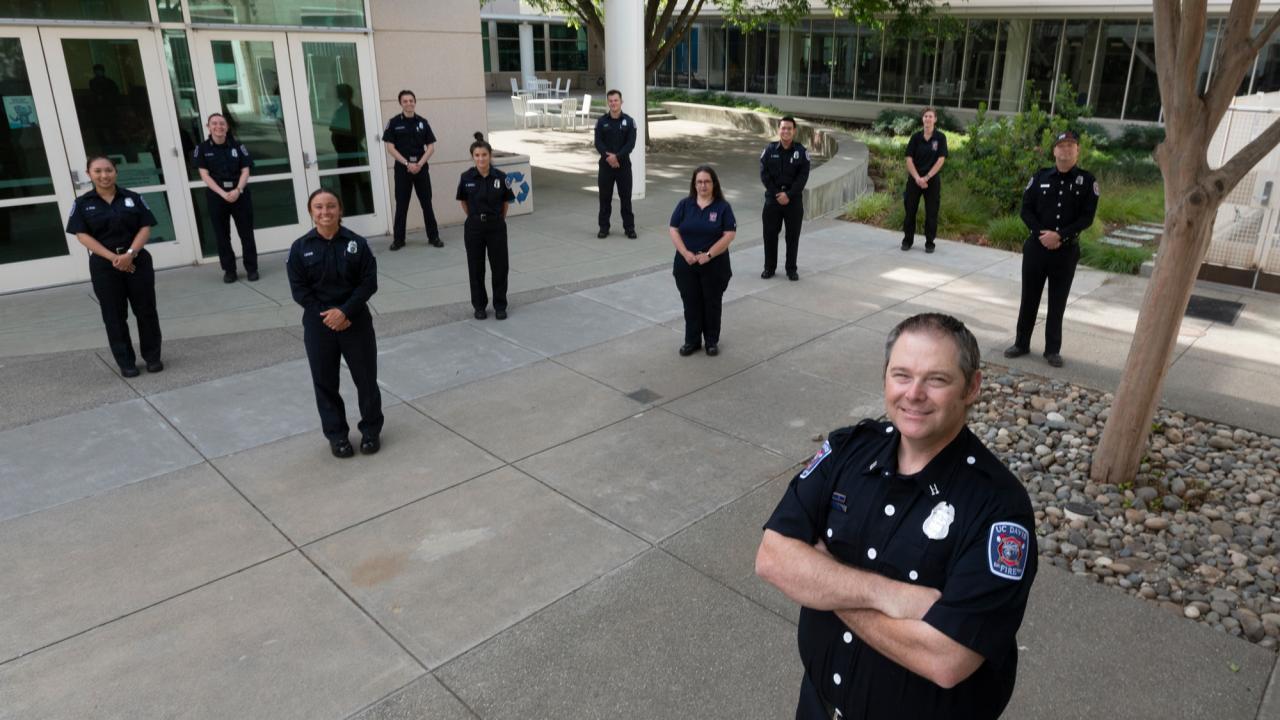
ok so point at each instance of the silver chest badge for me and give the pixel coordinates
(352, 247)
(497, 183)
(234, 153)
(128, 202)
(938, 524)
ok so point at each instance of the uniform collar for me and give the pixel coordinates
(964, 450)
(94, 194)
(314, 234)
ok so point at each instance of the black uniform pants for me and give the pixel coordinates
(116, 291)
(221, 213)
(1058, 267)
(773, 217)
(605, 180)
(358, 346)
(911, 203)
(702, 292)
(420, 184)
(480, 237)
(811, 705)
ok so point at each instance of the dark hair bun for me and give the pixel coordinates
(479, 136)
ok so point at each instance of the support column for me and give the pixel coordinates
(624, 70)
(526, 54)
(1017, 35)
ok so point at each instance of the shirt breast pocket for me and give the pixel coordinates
(916, 559)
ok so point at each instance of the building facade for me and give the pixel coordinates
(306, 85)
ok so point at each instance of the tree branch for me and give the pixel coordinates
(1167, 25)
(1236, 55)
(679, 31)
(1222, 180)
(1268, 30)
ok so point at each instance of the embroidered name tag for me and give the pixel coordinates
(1007, 549)
(839, 502)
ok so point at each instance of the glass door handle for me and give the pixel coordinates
(306, 159)
(76, 179)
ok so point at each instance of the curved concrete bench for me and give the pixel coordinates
(841, 178)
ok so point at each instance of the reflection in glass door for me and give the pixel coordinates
(108, 88)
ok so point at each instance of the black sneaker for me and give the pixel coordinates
(370, 445)
(254, 276)
(792, 275)
(631, 234)
(500, 314)
(396, 245)
(713, 350)
(481, 314)
(342, 449)
(602, 234)
(928, 247)
(1053, 359)
(155, 366)
(228, 278)
(906, 246)
(435, 242)
(130, 372)
(766, 274)
(687, 350)
(1014, 351)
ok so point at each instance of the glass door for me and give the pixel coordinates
(246, 77)
(109, 91)
(35, 186)
(339, 130)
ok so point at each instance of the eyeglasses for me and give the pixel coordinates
(702, 182)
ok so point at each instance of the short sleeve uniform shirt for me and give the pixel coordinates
(409, 135)
(115, 223)
(700, 228)
(484, 194)
(924, 153)
(224, 162)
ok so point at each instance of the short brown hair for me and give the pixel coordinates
(930, 109)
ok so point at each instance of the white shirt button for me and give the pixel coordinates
(889, 430)
(836, 678)
(829, 532)
(848, 638)
(971, 460)
(889, 510)
(913, 575)
(871, 553)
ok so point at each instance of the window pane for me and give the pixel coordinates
(163, 229)
(894, 75)
(31, 232)
(24, 169)
(869, 55)
(1266, 77)
(821, 57)
(680, 58)
(1077, 55)
(1211, 35)
(249, 91)
(736, 73)
(772, 52)
(713, 67)
(337, 107)
(355, 189)
(985, 56)
(846, 42)
(273, 206)
(756, 44)
(484, 46)
(76, 9)
(539, 48)
(946, 85)
(177, 55)
(568, 48)
(170, 10)
(508, 47)
(798, 83)
(1113, 71)
(920, 69)
(307, 13)
(1044, 55)
(1144, 88)
(112, 107)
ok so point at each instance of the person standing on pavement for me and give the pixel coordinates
(702, 226)
(909, 546)
(1058, 204)
(784, 170)
(615, 139)
(114, 224)
(224, 166)
(484, 194)
(332, 275)
(411, 143)
(926, 153)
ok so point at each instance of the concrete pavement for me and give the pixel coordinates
(563, 518)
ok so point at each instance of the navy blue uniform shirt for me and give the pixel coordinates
(1064, 202)
(924, 153)
(700, 228)
(339, 273)
(113, 224)
(963, 525)
(784, 170)
(409, 135)
(616, 136)
(223, 162)
(485, 194)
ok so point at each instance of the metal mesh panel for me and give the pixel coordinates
(1247, 217)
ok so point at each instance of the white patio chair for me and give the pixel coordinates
(585, 113)
(515, 87)
(567, 84)
(556, 91)
(523, 113)
(568, 113)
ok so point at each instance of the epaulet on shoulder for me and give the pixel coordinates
(867, 426)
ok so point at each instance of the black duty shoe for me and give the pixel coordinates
(228, 278)
(435, 242)
(905, 246)
(481, 314)
(1013, 351)
(396, 245)
(1053, 359)
(155, 367)
(766, 274)
(928, 247)
(687, 350)
(631, 234)
(253, 276)
(793, 276)
(131, 371)
(602, 234)
(713, 350)
(342, 449)
(369, 445)
(500, 314)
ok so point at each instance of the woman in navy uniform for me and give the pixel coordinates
(702, 226)
(484, 195)
(332, 275)
(410, 141)
(114, 223)
(926, 152)
(224, 166)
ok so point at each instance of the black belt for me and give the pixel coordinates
(485, 217)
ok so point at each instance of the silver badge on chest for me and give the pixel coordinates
(352, 247)
(938, 524)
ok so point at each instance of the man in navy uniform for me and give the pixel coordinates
(615, 139)
(411, 143)
(784, 170)
(910, 547)
(1057, 205)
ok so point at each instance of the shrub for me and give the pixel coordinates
(655, 96)
(1007, 232)
(904, 123)
(870, 208)
(1098, 134)
(1126, 203)
(1111, 258)
(1141, 137)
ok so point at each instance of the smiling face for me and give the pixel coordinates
(615, 104)
(1066, 154)
(326, 213)
(704, 185)
(786, 132)
(103, 175)
(480, 156)
(408, 104)
(217, 128)
(925, 392)
(929, 119)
